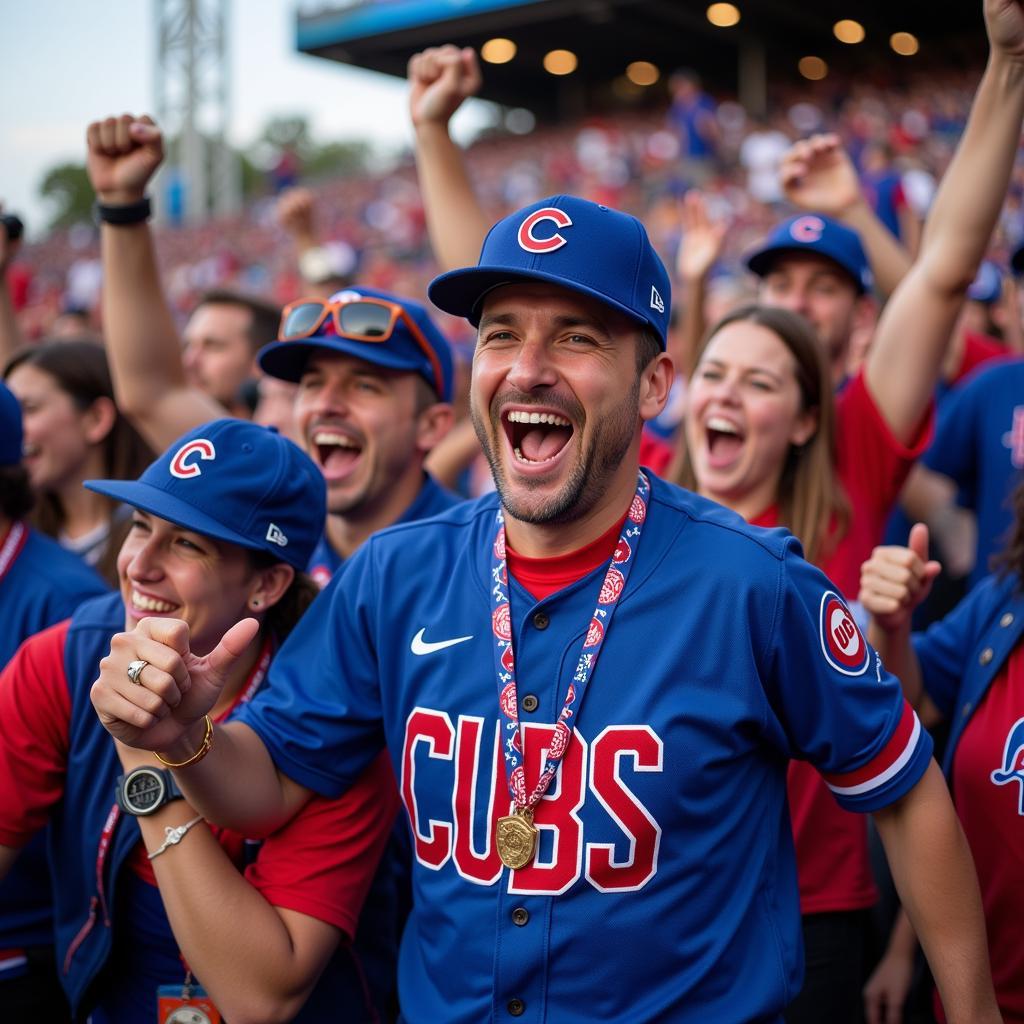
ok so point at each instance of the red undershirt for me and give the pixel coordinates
(543, 577)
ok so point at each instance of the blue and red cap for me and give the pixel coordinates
(287, 359)
(11, 435)
(571, 242)
(237, 482)
(818, 234)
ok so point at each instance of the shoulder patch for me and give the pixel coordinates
(844, 647)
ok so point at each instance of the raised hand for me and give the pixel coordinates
(295, 211)
(702, 238)
(1004, 22)
(440, 78)
(817, 175)
(175, 689)
(123, 154)
(895, 580)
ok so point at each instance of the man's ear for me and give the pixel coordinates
(655, 384)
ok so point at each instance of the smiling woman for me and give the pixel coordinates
(223, 524)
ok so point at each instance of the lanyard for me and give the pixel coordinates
(15, 540)
(516, 834)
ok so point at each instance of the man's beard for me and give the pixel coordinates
(593, 467)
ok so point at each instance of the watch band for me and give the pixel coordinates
(144, 790)
(123, 213)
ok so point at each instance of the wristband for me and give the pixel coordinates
(204, 749)
(123, 213)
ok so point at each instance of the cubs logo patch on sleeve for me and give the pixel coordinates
(841, 641)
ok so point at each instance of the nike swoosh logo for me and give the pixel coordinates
(421, 646)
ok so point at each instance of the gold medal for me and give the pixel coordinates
(517, 838)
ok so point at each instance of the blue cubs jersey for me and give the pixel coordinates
(664, 884)
(979, 443)
(431, 501)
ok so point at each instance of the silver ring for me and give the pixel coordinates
(135, 670)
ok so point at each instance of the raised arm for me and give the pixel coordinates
(10, 335)
(818, 176)
(141, 338)
(904, 363)
(440, 78)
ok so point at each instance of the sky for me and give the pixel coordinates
(69, 62)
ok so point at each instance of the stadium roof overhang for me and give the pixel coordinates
(606, 35)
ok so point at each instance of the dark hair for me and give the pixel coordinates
(265, 316)
(81, 371)
(283, 617)
(1010, 561)
(16, 495)
(648, 347)
(811, 499)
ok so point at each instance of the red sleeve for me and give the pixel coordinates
(35, 709)
(323, 861)
(870, 460)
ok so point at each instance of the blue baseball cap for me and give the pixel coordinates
(11, 435)
(987, 285)
(813, 232)
(572, 242)
(401, 351)
(237, 482)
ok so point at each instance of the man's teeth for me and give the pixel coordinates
(722, 426)
(517, 416)
(533, 462)
(329, 437)
(150, 604)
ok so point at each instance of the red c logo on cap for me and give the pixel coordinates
(200, 447)
(541, 245)
(807, 229)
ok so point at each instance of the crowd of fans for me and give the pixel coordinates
(841, 357)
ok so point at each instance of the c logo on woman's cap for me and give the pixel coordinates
(530, 243)
(185, 470)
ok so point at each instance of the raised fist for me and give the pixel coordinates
(440, 78)
(818, 176)
(123, 154)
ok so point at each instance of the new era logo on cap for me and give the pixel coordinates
(275, 536)
(657, 302)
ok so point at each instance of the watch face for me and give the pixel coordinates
(143, 791)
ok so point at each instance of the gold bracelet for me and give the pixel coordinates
(204, 748)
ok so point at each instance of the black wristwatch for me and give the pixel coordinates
(145, 790)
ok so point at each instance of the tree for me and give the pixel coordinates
(67, 188)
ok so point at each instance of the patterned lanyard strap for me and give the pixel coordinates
(516, 834)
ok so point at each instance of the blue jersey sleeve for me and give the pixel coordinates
(838, 706)
(319, 714)
(945, 649)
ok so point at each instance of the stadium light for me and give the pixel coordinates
(560, 62)
(904, 43)
(723, 15)
(642, 72)
(848, 31)
(498, 51)
(813, 68)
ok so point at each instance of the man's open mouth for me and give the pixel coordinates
(336, 451)
(536, 437)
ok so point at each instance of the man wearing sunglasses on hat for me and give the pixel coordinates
(567, 813)
(374, 373)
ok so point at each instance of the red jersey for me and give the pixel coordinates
(831, 844)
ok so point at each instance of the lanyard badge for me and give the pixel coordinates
(516, 835)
